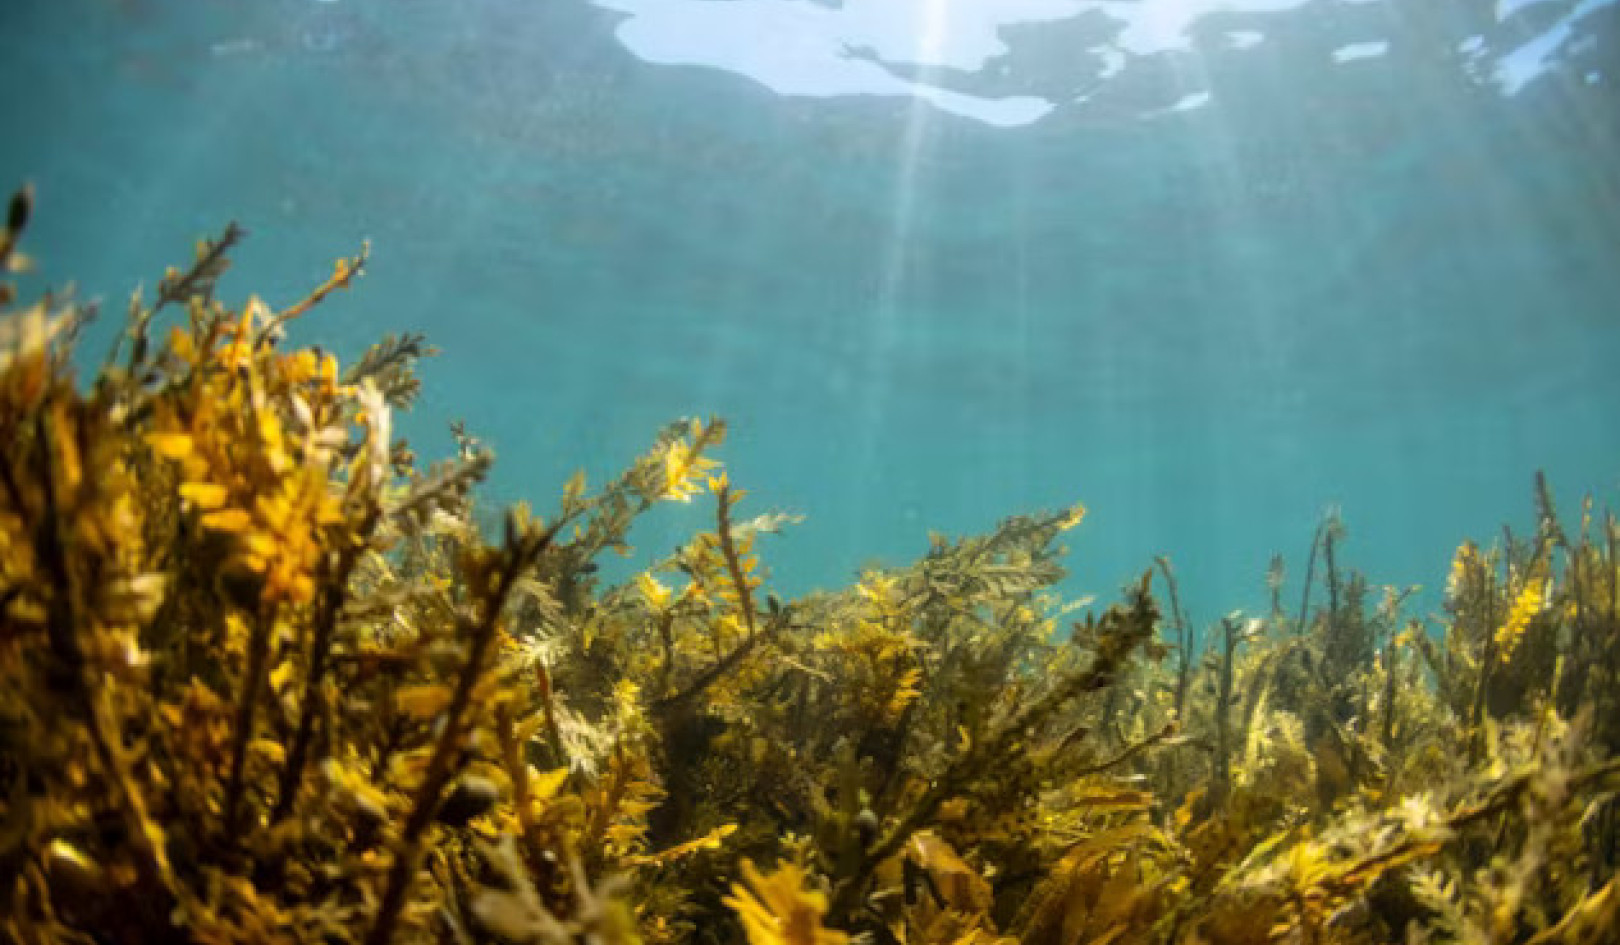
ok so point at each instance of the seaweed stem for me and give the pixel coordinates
(334, 588)
(728, 548)
(342, 276)
(1223, 708)
(1183, 634)
(246, 710)
(520, 552)
(745, 601)
(1310, 572)
(1131, 751)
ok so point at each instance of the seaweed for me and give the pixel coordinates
(264, 679)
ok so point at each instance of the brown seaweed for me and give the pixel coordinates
(262, 680)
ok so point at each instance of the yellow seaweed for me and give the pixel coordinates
(264, 680)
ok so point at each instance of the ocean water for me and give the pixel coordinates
(1211, 268)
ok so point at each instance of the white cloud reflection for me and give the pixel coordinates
(1533, 58)
(1353, 51)
(828, 49)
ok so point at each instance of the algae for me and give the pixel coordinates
(262, 679)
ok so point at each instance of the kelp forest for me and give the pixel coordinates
(265, 678)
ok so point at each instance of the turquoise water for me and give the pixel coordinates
(1208, 268)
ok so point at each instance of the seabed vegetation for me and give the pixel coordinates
(265, 679)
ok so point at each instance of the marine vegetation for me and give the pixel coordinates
(264, 679)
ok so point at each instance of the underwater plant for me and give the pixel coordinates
(263, 680)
